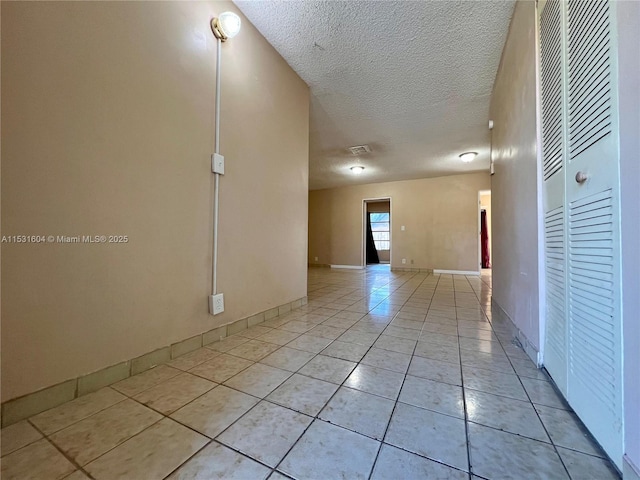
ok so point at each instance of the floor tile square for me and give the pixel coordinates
(439, 437)
(17, 436)
(214, 411)
(255, 331)
(503, 413)
(489, 459)
(346, 351)
(71, 412)
(397, 464)
(38, 460)
(443, 353)
(359, 411)
(542, 392)
(586, 466)
(437, 396)
(174, 393)
(326, 331)
(377, 357)
(288, 359)
(567, 431)
(216, 461)
(279, 337)
(221, 368)
(435, 370)
(266, 432)
(395, 344)
(330, 369)
(497, 383)
(154, 453)
(298, 326)
(227, 344)
(309, 343)
(138, 383)
(377, 381)
(254, 350)
(320, 454)
(191, 359)
(89, 438)
(303, 394)
(258, 380)
(359, 338)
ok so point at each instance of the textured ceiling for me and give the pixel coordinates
(412, 79)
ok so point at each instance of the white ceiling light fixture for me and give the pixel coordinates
(468, 156)
(357, 169)
(226, 26)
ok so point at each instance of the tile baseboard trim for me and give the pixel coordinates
(500, 315)
(456, 272)
(25, 406)
(349, 267)
(318, 265)
(412, 270)
(630, 471)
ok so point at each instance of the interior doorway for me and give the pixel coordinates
(376, 238)
(485, 250)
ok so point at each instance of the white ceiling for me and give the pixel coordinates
(412, 79)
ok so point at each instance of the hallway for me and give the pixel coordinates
(382, 375)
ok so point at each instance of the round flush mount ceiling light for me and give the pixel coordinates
(468, 156)
(357, 169)
(226, 26)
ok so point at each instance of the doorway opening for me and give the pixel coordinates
(484, 222)
(376, 238)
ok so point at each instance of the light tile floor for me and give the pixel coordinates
(382, 375)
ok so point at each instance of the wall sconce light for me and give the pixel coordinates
(226, 26)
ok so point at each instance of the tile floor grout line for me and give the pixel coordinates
(59, 449)
(552, 443)
(404, 379)
(317, 416)
(464, 398)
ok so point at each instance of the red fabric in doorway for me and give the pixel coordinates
(484, 240)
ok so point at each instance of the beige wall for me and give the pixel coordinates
(485, 203)
(440, 216)
(381, 207)
(107, 115)
(514, 185)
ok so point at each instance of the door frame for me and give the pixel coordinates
(480, 193)
(363, 243)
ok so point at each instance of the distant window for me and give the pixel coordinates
(380, 229)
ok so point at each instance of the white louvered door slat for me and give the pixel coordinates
(595, 340)
(583, 339)
(553, 171)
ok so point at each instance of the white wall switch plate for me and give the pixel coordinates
(402, 228)
(216, 304)
(404, 260)
(217, 163)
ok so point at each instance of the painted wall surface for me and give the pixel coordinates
(628, 14)
(440, 216)
(381, 207)
(485, 203)
(514, 185)
(108, 121)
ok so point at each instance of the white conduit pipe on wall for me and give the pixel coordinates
(216, 200)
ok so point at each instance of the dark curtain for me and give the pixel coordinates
(372, 253)
(484, 240)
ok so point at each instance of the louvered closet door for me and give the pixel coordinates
(553, 125)
(595, 340)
